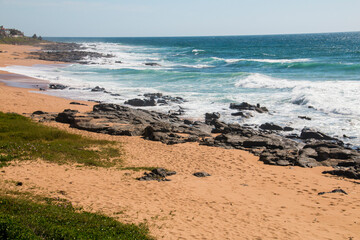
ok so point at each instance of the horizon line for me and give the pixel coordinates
(188, 36)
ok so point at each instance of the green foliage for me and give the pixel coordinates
(20, 40)
(57, 219)
(23, 139)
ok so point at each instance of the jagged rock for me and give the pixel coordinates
(242, 114)
(57, 86)
(201, 174)
(158, 174)
(210, 117)
(247, 106)
(271, 126)
(305, 118)
(288, 129)
(67, 116)
(98, 89)
(308, 133)
(141, 102)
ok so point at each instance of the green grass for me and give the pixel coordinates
(20, 40)
(57, 219)
(23, 139)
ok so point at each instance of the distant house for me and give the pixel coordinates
(10, 32)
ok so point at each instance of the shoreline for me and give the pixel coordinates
(243, 197)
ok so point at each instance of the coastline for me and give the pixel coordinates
(243, 197)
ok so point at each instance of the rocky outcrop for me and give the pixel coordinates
(65, 52)
(246, 106)
(120, 120)
(311, 149)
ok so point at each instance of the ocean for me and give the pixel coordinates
(312, 75)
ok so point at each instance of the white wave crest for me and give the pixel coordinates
(234, 60)
(257, 80)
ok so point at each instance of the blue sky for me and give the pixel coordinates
(121, 18)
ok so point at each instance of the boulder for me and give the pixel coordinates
(57, 86)
(271, 126)
(141, 102)
(309, 133)
(98, 89)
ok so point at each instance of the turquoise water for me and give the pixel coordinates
(317, 75)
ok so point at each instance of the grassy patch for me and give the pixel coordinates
(23, 139)
(20, 40)
(57, 219)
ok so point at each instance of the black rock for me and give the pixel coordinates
(201, 174)
(209, 117)
(271, 126)
(141, 102)
(152, 64)
(18, 184)
(57, 86)
(247, 106)
(305, 118)
(288, 129)
(338, 190)
(39, 113)
(308, 133)
(98, 89)
(158, 174)
(77, 103)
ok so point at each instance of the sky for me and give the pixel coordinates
(136, 18)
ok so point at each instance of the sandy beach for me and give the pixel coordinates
(242, 199)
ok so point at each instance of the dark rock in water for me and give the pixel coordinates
(115, 94)
(98, 89)
(39, 113)
(210, 117)
(271, 126)
(42, 89)
(158, 174)
(65, 52)
(118, 61)
(242, 114)
(247, 106)
(201, 174)
(308, 133)
(305, 118)
(153, 95)
(77, 103)
(141, 102)
(152, 64)
(57, 86)
(288, 129)
(338, 190)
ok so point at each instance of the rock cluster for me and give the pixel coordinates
(244, 108)
(65, 52)
(153, 99)
(312, 148)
